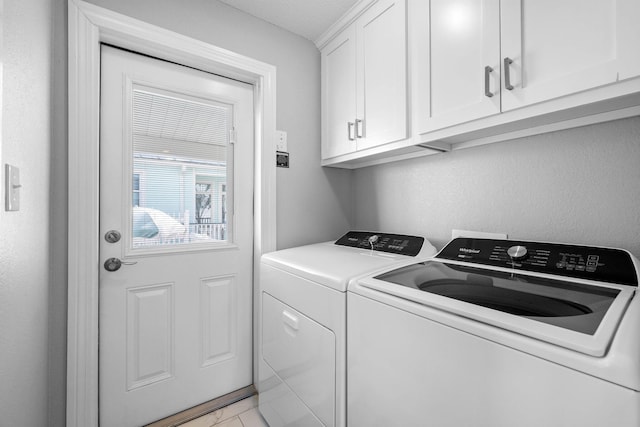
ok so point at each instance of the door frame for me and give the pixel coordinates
(89, 26)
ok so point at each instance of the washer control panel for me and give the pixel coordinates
(584, 262)
(383, 242)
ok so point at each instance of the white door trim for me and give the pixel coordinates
(90, 25)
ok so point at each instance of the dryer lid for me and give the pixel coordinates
(335, 265)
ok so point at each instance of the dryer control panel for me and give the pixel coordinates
(584, 262)
(383, 242)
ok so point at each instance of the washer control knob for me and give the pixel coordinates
(517, 252)
(373, 239)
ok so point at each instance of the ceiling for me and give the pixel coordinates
(307, 18)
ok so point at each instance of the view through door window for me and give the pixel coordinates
(180, 168)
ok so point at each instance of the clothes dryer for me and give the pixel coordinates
(302, 341)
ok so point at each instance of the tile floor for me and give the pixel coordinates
(240, 414)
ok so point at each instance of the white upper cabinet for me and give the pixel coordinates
(339, 95)
(481, 58)
(406, 78)
(382, 74)
(464, 67)
(628, 41)
(364, 81)
(553, 48)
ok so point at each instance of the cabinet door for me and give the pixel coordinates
(628, 30)
(558, 48)
(382, 74)
(339, 95)
(464, 40)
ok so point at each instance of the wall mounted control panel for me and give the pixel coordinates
(383, 242)
(584, 262)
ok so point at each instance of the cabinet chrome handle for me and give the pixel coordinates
(350, 131)
(507, 75)
(359, 128)
(487, 90)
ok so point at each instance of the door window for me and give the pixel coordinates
(181, 146)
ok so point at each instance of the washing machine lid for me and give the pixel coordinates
(541, 293)
(334, 264)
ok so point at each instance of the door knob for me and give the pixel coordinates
(114, 264)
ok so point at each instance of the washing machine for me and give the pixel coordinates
(302, 328)
(497, 333)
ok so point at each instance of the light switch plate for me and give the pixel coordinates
(12, 188)
(281, 141)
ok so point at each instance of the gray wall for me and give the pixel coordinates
(576, 186)
(25, 235)
(313, 204)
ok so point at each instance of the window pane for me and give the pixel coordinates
(180, 146)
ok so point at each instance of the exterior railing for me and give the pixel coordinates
(176, 230)
(215, 231)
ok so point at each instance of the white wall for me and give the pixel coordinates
(313, 204)
(577, 186)
(25, 235)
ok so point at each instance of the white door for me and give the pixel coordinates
(381, 34)
(176, 183)
(339, 95)
(464, 69)
(555, 48)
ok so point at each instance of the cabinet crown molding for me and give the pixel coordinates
(345, 20)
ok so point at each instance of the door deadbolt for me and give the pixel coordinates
(114, 264)
(112, 236)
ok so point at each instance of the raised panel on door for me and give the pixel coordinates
(464, 41)
(149, 334)
(339, 94)
(218, 319)
(558, 47)
(382, 74)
